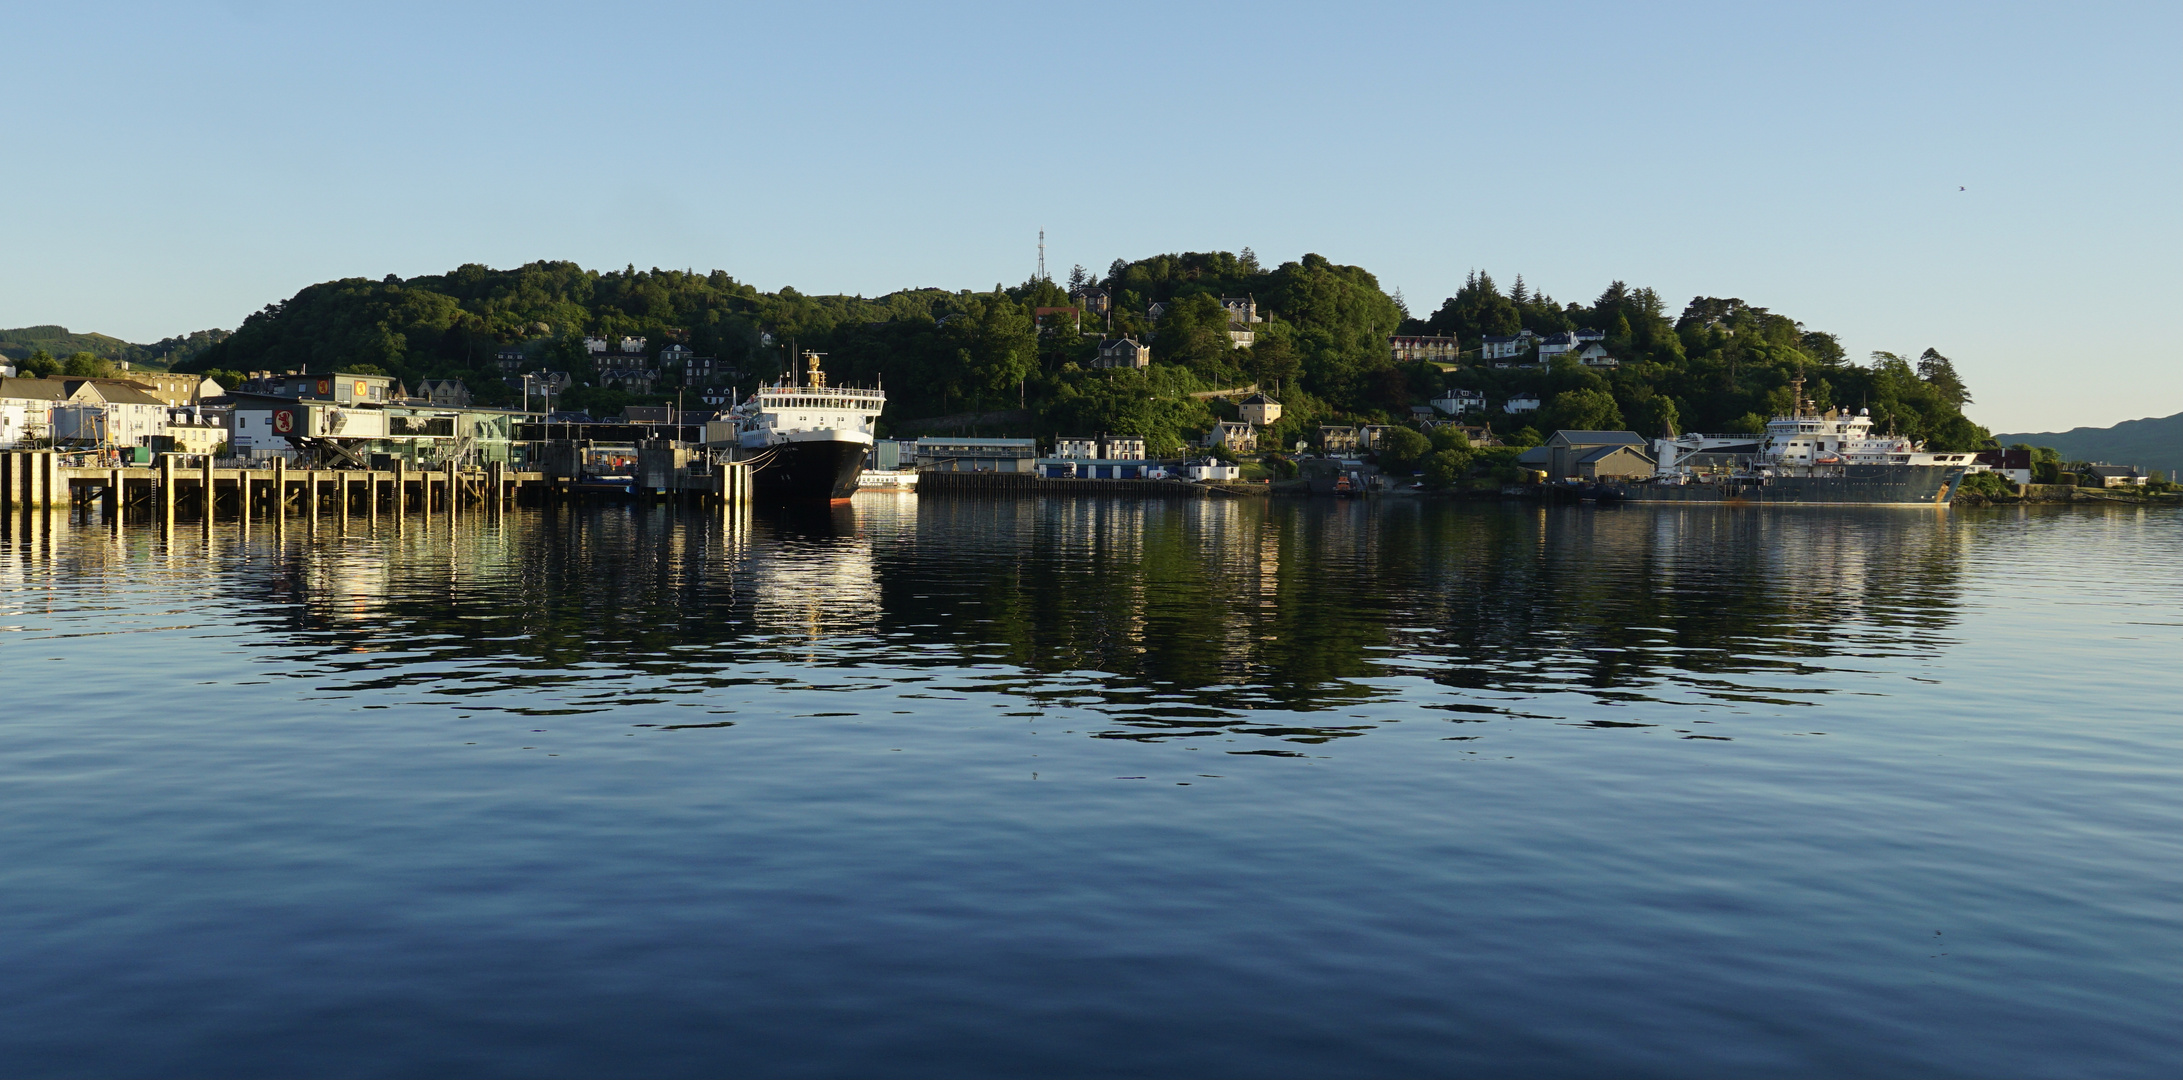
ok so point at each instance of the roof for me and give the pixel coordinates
(1562, 337)
(1605, 452)
(1258, 399)
(1537, 455)
(1118, 343)
(118, 391)
(33, 389)
(1599, 438)
(2111, 470)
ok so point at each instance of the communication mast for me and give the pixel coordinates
(1041, 256)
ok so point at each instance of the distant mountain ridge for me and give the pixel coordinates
(2151, 443)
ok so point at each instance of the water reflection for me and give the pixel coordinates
(1169, 619)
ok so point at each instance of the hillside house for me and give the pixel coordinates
(1424, 350)
(1242, 318)
(1234, 437)
(1458, 402)
(1553, 345)
(1526, 402)
(1123, 353)
(1595, 355)
(1502, 350)
(1259, 409)
(1336, 439)
(445, 392)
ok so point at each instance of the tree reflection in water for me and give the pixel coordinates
(1169, 618)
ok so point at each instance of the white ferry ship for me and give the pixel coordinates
(807, 440)
(1807, 456)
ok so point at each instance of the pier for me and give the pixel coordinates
(192, 484)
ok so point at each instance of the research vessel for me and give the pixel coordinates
(805, 439)
(1807, 456)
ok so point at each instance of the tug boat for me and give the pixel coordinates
(1806, 456)
(804, 439)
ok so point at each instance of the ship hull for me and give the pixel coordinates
(1854, 485)
(805, 471)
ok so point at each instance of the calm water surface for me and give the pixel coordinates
(1084, 788)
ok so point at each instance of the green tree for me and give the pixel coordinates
(1449, 437)
(40, 365)
(1940, 373)
(1272, 360)
(1446, 468)
(88, 365)
(1400, 449)
(1584, 410)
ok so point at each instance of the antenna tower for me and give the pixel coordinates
(1041, 255)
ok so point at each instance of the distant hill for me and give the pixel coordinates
(2152, 443)
(61, 342)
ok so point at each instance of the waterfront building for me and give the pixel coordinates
(1212, 469)
(1122, 447)
(1337, 438)
(2108, 476)
(1565, 450)
(938, 453)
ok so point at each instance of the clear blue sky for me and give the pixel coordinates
(2003, 182)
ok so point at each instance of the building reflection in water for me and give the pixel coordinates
(1171, 618)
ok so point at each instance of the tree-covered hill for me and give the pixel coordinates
(23, 342)
(1718, 364)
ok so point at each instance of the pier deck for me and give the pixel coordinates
(191, 484)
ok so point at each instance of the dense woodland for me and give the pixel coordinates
(1717, 365)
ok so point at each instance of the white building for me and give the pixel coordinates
(1212, 469)
(1553, 345)
(1526, 402)
(1512, 347)
(1458, 402)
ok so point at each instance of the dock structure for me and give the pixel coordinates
(44, 480)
